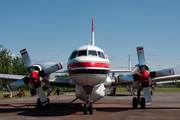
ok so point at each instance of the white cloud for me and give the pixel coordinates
(48, 63)
(151, 55)
(54, 54)
(14, 55)
(39, 60)
(153, 59)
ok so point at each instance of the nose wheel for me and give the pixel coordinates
(136, 101)
(88, 107)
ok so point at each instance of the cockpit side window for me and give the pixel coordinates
(73, 54)
(102, 54)
(99, 54)
(92, 53)
(82, 53)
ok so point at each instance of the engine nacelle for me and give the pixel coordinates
(38, 67)
(137, 68)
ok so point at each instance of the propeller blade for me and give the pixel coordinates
(147, 95)
(50, 70)
(161, 73)
(141, 57)
(125, 79)
(42, 96)
(17, 83)
(26, 59)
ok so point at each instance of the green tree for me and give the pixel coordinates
(5, 60)
(19, 67)
(9, 65)
(63, 76)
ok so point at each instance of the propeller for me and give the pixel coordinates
(34, 76)
(144, 75)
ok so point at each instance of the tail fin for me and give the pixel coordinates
(92, 32)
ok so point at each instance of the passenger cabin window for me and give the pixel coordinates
(82, 53)
(92, 53)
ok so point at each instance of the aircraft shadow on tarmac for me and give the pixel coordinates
(115, 109)
(60, 110)
(119, 94)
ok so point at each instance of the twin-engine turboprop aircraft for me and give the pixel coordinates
(88, 68)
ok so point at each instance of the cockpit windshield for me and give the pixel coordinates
(87, 53)
(92, 53)
(82, 53)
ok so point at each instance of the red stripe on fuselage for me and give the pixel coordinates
(89, 64)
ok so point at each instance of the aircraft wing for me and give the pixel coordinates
(64, 71)
(10, 77)
(57, 81)
(166, 78)
(63, 82)
(130, 79)
(165, 82)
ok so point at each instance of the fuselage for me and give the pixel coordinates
(88, 66)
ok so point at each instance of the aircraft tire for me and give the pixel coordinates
(85, 109)
(135, 103)
(143, 103)
(48, 105)
(151, 92)
(39, 105)
(90, 109)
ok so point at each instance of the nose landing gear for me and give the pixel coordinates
(88, 107)
(136, 101)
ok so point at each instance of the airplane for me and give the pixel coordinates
(88, 67)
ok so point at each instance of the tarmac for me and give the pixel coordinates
(166, 106)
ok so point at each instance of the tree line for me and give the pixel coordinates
(10, 65)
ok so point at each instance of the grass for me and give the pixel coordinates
(123, 89)
(119, 89)
(15, 92)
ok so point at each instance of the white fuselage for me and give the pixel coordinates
(88, 66)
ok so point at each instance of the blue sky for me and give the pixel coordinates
(51, 30)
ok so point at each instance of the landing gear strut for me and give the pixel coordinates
(136, 101)
(88, 105)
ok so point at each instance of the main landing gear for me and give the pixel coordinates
(88, 107)
(136, 101)
(39, 104)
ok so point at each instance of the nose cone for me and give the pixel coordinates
(88, 79)
(144, 76)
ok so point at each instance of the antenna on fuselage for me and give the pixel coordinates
(92, 37)
(88, 41)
